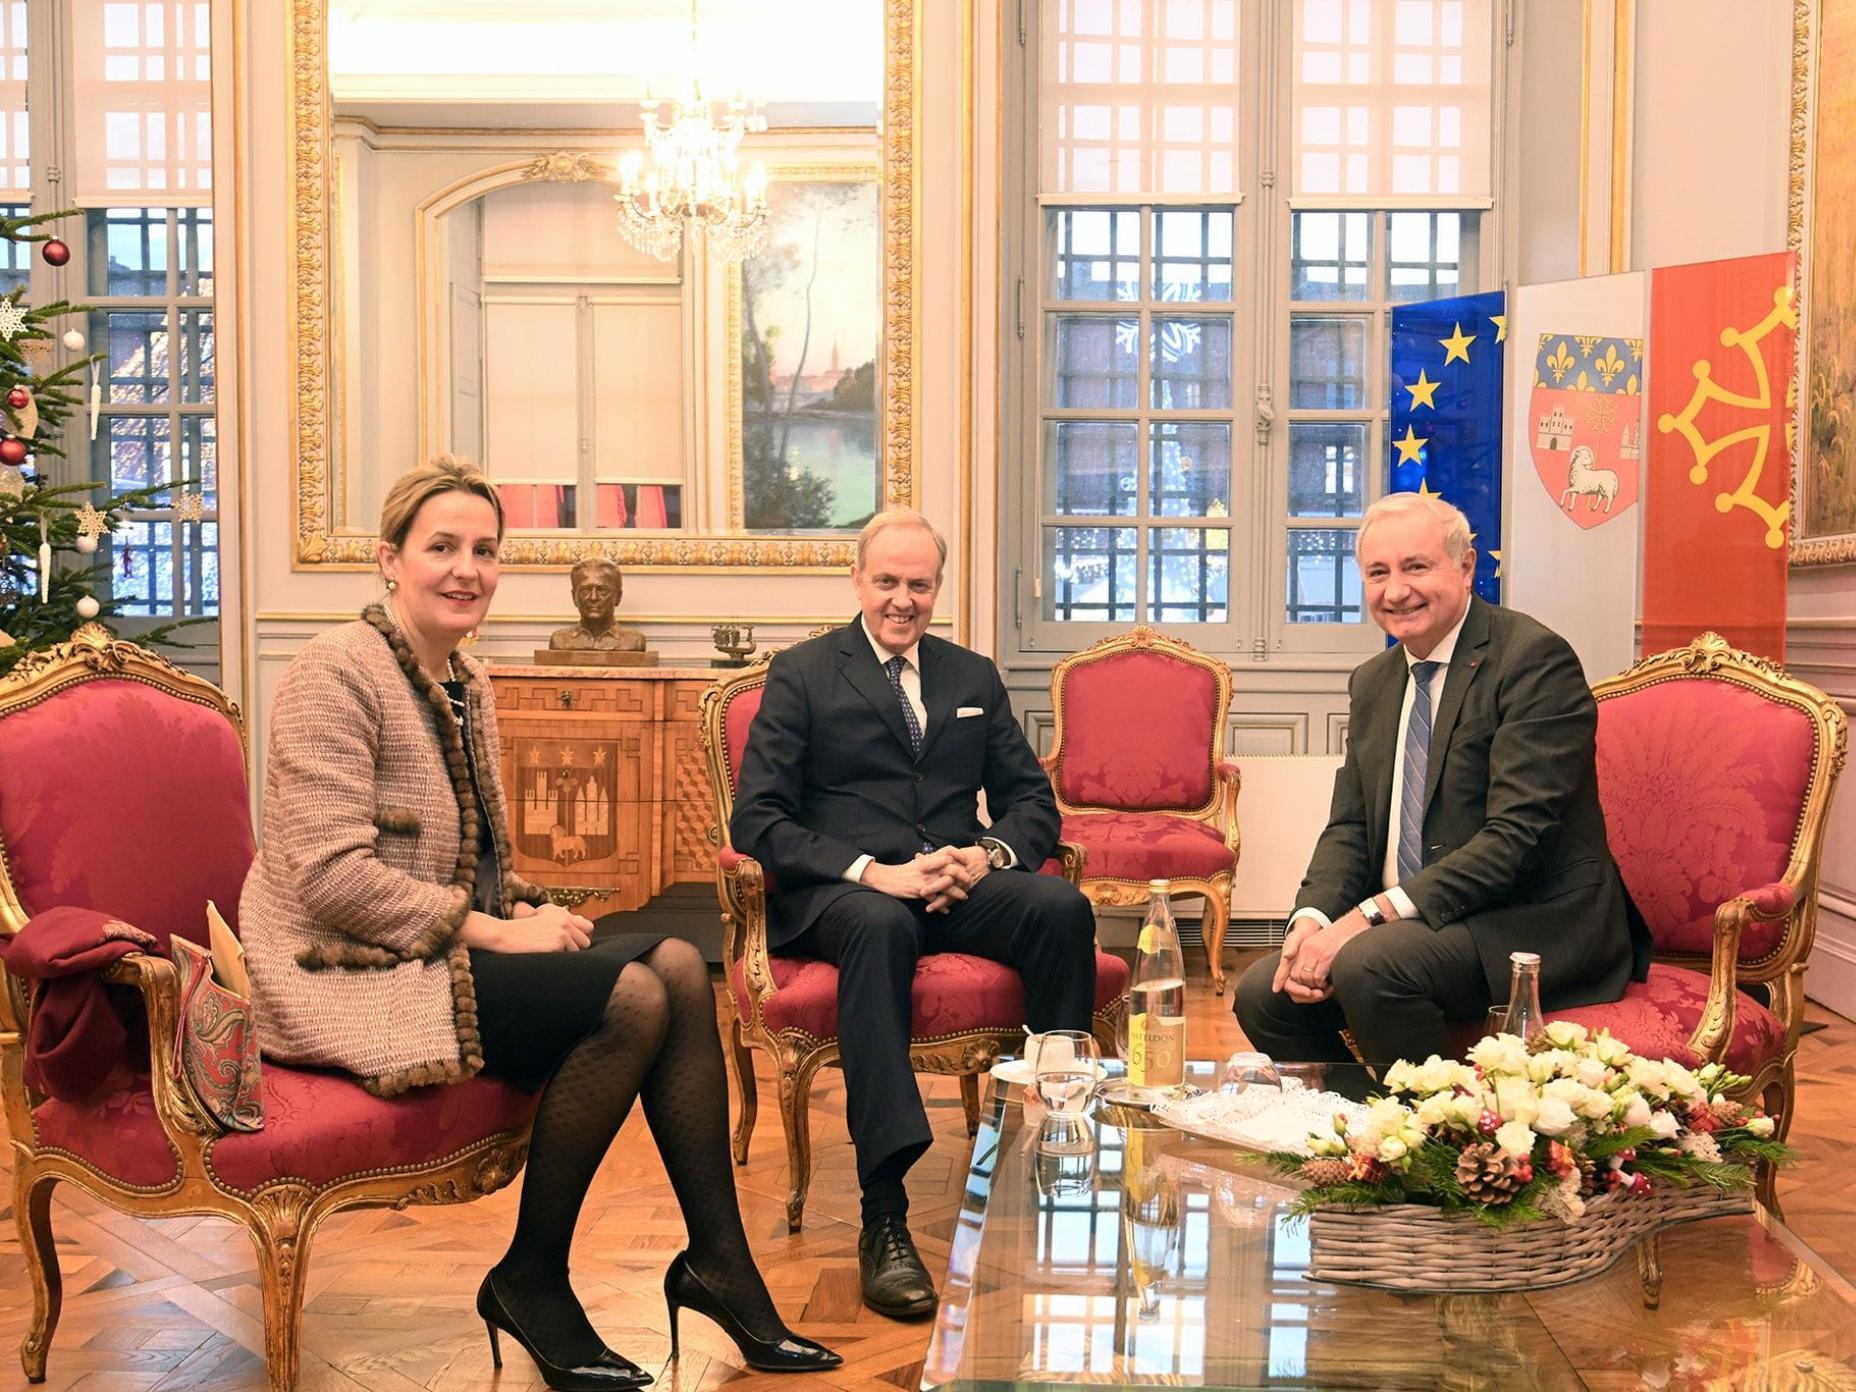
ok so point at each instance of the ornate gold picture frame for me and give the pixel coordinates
(323, 540)
(1821, 228)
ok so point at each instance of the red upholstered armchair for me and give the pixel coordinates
(1141, 778)
(124, 793)
(967, 1011)
(1716, 770)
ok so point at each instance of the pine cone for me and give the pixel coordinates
(1324, 1171)
(1487, 1174)
(1588, 1175)
(1726, 1112)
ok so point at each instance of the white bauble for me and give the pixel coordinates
(88, 608)
(74, 340)
(88, 545)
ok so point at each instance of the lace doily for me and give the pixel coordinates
(1261, 1118)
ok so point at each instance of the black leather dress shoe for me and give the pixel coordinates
(895, 1281)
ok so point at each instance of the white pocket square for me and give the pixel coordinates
(962, 712)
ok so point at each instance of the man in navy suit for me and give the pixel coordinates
(859, 794)
(1465, 826)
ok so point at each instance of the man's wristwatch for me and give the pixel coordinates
(998, 855)
(1371, 912)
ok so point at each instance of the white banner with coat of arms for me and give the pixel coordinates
(1576, 461)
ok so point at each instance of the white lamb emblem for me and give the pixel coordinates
(1582, 480)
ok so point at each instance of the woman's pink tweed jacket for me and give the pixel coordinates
(367, 864)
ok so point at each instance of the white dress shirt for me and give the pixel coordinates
(1402, 907)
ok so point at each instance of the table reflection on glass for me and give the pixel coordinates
(1139, 1256)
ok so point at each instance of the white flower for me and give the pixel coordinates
(1554, 1117)
(1683, 1083)
(1700, 1145)
(1392, 1148)
(1589, 1071)
(1401, 1077)
(1663, 1125)
(1441, 1075)
(1501, 1053)
(1327, 1145)
(1648, 1076)
(1761, 1126)
(1516, 1138)
(1635, 1111)
(1434, 1110)
(1549, 1064)
(1564, 1034)
(1516, 1099)
(1591, 1104)
(1608, 1050)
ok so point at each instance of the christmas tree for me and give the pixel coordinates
(48, 583)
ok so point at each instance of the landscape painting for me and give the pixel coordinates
(810, 329)
(1829, 501)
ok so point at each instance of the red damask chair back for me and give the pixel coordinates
(123, 810)
(152, 819)
(1137, 762)
(1716, 769)
(965, 1011)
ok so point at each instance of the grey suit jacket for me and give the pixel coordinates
(829, 774)
(1514, 838)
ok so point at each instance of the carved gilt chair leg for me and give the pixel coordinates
(32, 1212)
(795, 1116)
(970, 1102)
(747, 1088)
(1216, 924)
(281, 1236)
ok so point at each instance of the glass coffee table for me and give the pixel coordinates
(1133, 1255)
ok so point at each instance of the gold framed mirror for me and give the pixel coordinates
(334, 526)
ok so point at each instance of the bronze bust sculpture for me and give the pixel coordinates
(598, 588)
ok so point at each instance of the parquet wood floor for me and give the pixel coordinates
(174, 1304)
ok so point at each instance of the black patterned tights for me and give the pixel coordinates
(657, 1038)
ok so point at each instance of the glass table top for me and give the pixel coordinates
(1134, 1255)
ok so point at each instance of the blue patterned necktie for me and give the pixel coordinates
(1417, 759)
(894, 667)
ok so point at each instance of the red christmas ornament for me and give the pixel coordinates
(12, 450)
(18, 398)
(55, 252)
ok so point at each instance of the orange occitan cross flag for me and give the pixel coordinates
(1717, 509)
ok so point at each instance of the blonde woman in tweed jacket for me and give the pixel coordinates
(387, 935)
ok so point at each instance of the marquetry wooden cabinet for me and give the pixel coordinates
(603, 768)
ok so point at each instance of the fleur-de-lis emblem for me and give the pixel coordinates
(1610, 365)
(1587, 342)
(1560, 361)
(1584, 382)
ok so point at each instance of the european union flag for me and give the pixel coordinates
(1447, 414)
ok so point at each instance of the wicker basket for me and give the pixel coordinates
(1410, 1247)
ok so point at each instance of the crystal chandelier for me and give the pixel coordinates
(694, 175)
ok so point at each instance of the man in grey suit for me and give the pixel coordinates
(1465, 825)
(860, 795)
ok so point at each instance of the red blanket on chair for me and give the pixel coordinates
(76, 1034)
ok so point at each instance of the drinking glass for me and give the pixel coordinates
(1245, 1070)
(1493, 1022)
(1063, 1065)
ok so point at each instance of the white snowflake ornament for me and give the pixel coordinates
(12, 319)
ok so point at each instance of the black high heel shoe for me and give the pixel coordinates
(792, 1354)
(607, 1372)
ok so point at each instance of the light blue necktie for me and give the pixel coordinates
(1417, 759)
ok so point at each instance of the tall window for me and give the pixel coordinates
(141, 170)
(1215, 232)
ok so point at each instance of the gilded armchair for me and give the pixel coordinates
(1716, 770)
(967, 1011)
(1137, 760)
(125, 794)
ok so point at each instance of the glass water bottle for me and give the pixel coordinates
(1524, 1018)
(1157, 1003)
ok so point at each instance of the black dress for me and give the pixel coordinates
(534, 1007)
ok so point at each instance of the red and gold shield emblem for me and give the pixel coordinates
(1586, 419)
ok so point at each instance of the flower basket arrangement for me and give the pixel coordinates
(1533, 1163)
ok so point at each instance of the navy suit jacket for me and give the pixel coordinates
(829, 774)
(1514, 837)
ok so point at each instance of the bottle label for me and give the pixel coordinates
(1150, 938)
(1156, 1050)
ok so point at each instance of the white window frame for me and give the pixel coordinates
(1256, 625)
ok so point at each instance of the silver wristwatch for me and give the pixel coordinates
(998, 854)
(1371, 912)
